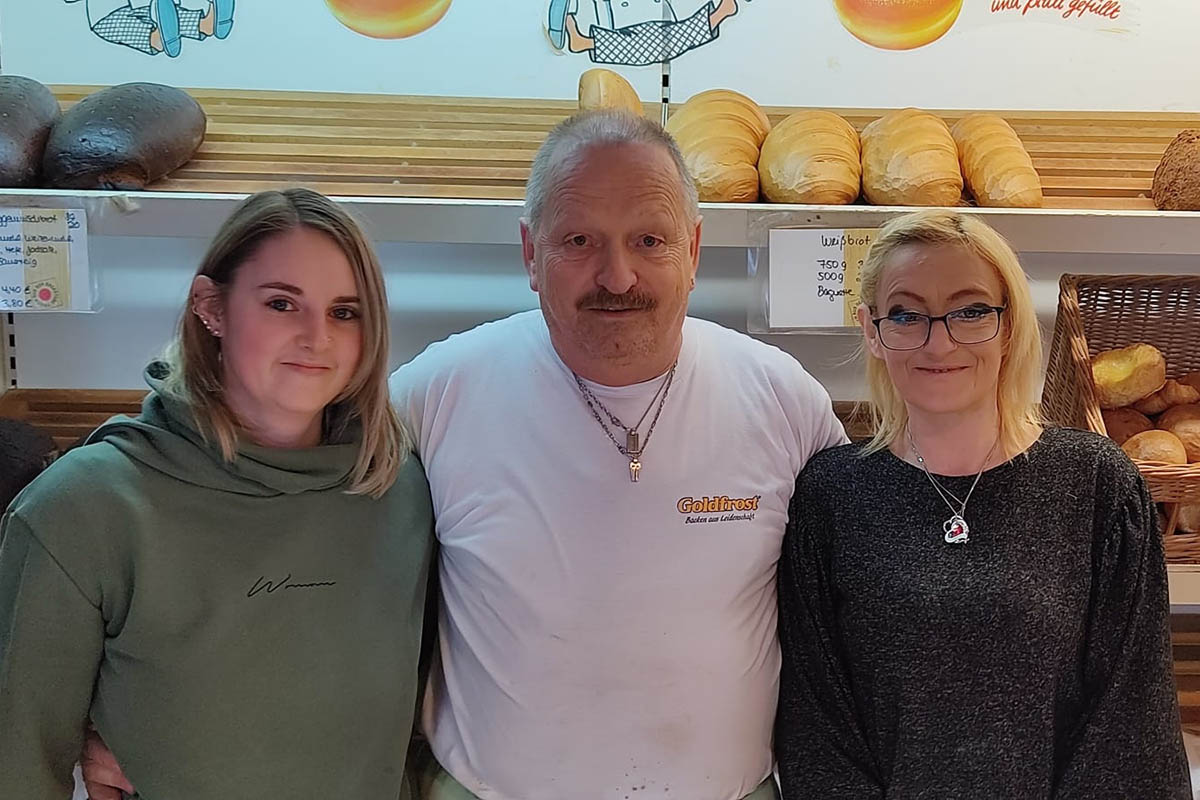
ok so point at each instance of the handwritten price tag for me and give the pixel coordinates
(39, 248)
(814, 277)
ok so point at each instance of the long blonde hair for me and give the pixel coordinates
(1021, 361)
(194, 357)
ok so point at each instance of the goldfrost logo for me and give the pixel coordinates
(717, 508)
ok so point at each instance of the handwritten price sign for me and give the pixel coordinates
(39, 247)
(814, 277)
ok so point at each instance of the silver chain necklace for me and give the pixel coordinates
(633, 447)
(956, 530)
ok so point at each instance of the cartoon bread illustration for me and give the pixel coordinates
(898, 24)
(388, 19)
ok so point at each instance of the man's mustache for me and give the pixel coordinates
(630, 301)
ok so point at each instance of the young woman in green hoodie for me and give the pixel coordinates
(231, 586)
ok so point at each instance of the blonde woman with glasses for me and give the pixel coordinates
(972, 604)
(231, 585)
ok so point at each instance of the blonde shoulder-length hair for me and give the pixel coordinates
(1021, 362)
(193, 359)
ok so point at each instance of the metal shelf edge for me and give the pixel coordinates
(464, 221)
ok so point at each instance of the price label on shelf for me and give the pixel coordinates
(814, 276)
(40, 249)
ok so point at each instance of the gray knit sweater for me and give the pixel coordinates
(1032, 661)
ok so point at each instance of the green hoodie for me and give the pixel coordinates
(243, 630)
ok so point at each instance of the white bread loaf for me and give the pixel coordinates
(720, 133)
(811, 157)
(997, 168)
(910, 159)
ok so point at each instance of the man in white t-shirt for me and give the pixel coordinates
(611, 482)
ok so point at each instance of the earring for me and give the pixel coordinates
(208, 327)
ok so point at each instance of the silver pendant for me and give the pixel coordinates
(956, 529)
(635, 469)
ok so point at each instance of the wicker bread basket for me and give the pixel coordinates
(1101, 312)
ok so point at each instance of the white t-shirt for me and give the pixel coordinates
(600, 636)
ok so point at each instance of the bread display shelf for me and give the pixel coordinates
(481, 148)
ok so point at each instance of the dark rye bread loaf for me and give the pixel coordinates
(24, 452)
(1177, 179)
(124, 137)
(28, 110)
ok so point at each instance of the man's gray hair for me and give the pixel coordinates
(590, 128)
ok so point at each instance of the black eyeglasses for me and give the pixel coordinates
(909, 330)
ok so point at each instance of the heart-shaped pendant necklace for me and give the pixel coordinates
(955, 530)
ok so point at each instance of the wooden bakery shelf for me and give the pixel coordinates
(411, 146)
(450, 169)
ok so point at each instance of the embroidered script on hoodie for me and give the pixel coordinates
(271, 587)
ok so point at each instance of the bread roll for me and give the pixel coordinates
(124, 137)
(1192, 379)
(720, 133)
(1184, 423)
(1176, 184)
(28, 111)
(1189, 518)
(1128, 374)
(1160, 446)
(603, 88)
(910, 159)
(1172, 393)
(996, 166)
(811, 157)
(1121, 423)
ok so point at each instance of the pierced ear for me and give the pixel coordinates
(207, 304)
